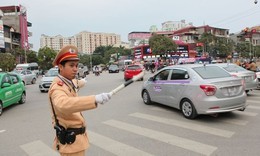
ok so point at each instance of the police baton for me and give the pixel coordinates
(120, 87)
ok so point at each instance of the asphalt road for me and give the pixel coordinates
(125, 126)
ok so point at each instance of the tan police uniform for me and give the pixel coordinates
(68, 105)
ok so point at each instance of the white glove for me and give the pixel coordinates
(103, 98)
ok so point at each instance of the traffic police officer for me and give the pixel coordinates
(66, 106)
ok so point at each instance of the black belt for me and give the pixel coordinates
(77, 131)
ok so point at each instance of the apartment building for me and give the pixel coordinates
(85, 41)
(14, 26)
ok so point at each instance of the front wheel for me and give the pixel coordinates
(146, 97)
(188, 110)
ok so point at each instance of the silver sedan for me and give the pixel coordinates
(250, 78)
(195, 89)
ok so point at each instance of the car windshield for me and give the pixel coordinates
(52, 72)
(211, 72)
(113, 66)
(133, 67)
(234, 68)
(19, 71)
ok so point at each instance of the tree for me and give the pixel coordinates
(46, 56)
(31, 56)
(161, 45)
(7, 61)
(216, 46)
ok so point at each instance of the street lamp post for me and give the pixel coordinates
(90, 59)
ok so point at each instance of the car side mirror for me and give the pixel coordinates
(6, 85)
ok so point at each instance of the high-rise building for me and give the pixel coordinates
(174, 25)
(85, 41)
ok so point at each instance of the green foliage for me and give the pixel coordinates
(160, 44)
(31, 56)
(106, 51)
(216, 46)
(46, 56)
(7, 61)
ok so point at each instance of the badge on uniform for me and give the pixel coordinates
(60, 83)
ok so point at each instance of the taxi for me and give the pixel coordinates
(12, 90)
(195, 89)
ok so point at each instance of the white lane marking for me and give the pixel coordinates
(191, 126)
(253, 107)
(246, 113)
(234, 121)
(38, 148)
(114, 146)
(164, 137)
(1, 131)
(252, 101)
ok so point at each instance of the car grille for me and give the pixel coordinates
(46, 85)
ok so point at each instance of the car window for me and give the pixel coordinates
(210, 72)
(23, 72)
(179, 74)
(6, 79)
(234, 68)
(133, 67)
(14, 79)
(28, 72)
(163, 75)
(52, 72)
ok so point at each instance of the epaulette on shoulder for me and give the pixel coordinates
(60, 83)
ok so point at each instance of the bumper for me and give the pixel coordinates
(214, 105)
(44, 86)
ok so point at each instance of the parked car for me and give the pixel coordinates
(12, 90)
(195, 89)
(132, 70)
(113, 68)
(250, 78)
(47, 79)
(83, 70)
(258, 77)
(27, 76)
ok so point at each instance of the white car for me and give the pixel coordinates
(47, 79)
(27, 76)
(249, 77)
(258, 77)
(195, 89)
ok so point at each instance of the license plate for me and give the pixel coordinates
(248, 78)
(232, 91)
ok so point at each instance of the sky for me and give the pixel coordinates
(69, 17)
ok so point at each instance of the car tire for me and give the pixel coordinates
(85, 74)
(187, 108)
(146, 97)
(23, 99)
(33, 81)
(1, 108)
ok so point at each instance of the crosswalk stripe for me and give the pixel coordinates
(1, 131)
(246, 113)
(253, 107)
(183, 124)
(38, 148)
(164, 137)
(240, 112)
(234, 121)
(252, 101)
(114, 146)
